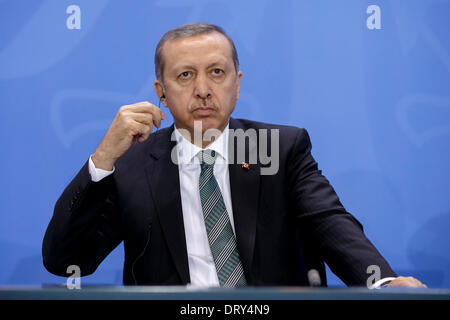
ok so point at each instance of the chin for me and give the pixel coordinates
(208, 123)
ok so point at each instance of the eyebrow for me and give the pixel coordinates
(221, 63)
(189, 66)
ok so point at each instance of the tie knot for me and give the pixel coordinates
(207, 157)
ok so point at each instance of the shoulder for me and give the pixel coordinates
(285, 132)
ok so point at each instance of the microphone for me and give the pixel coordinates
(314, 278)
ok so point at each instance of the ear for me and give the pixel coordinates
(159, 89)
(239, 77)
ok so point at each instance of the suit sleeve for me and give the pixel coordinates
(323, 222)
(85, 226)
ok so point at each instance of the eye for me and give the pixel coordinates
(185, 75)
(217, 72)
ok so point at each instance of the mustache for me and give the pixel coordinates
(204, 105)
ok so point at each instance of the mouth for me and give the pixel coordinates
(204, 111)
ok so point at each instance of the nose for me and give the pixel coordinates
(202, 89)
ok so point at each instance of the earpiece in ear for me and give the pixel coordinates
(160, 100)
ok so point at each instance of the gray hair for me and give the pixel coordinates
(185, 31)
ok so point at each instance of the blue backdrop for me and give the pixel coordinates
(371, 85)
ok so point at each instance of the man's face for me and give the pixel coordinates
(200, 81)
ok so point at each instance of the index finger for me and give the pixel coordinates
(148, 107)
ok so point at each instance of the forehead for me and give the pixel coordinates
(197, 49)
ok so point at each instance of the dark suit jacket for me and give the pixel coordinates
(285, 223)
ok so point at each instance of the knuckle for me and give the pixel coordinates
(136, 131)
(128, 123)
(122, 112)
(146, 120)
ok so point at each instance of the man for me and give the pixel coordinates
(185, 209)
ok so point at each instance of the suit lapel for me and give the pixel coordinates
(165, 185)
(244, 185)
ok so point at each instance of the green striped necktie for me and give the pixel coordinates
(218, 227)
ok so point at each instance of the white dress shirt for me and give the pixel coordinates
(202, 269)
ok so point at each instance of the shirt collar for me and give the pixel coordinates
(187, 151)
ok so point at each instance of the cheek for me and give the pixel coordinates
(178, 98)
(228, 96)
(179, 104)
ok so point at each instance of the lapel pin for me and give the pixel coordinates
(245, 166)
